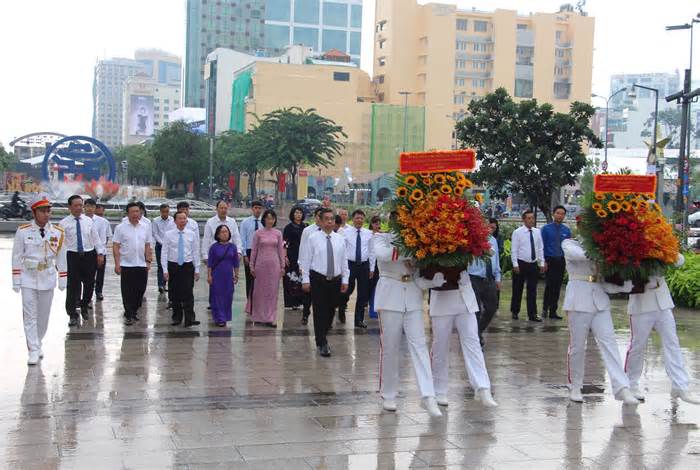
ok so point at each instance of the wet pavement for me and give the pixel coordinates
(155, 396)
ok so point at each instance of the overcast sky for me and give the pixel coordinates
(48, 48)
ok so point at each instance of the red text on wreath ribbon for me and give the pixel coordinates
(634, 184)
(437, 161)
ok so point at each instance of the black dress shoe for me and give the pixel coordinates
(361, 325)
(536, 319)
(325, 351)
(208, 307)
(161, 290)
(84, 313)
(129, 321)
(73, 321)
(221, 324)
(514, 316)
(176, 323)
(341, 317)
(304, 321)
(100, 297)
(194, 323)
(89, 306)
(169, 306)
(554, 316)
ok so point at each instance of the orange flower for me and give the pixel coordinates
(599, 196)
(402, 191)
(626, 206)
(445, 189)
(435, 193)
(601, 213)
(479, 197)
(468, 183)
(458, 191)
(411, 180)
(427, 181)
(596, 206)
(614, 207)
(440, 178)
(417, 195)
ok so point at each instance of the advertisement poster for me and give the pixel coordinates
(141, 115)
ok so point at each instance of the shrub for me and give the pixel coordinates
(684, 282)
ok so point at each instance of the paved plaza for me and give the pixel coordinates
(156, 396)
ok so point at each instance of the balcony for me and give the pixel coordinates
(524, 72)
(473, 74)
(561, 44)
(525, 37)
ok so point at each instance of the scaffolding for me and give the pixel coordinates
(241, 89)
(393, 128)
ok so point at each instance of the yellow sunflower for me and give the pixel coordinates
(468, 183)
(635, 204)
(626, 206)
(601, 213)
(402, 191)
(614, 207)
(479, 197)
(655, 206)
(411, 180)
(417, 195)
(445, 189)
(439, 178)
(599, 196)
(643, 205)
(427, 181)
(435, 193)
(458, 191)
(596, 206)
(618, 196)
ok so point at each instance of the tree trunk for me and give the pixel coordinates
(251, 184)
(295, 190)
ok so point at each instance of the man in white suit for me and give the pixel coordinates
(588, 307)
(399, 302)
(653, 309)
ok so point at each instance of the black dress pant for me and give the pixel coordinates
(249, 279)
(554, 278)
(100, 277)
(487, 295)
(133, 284)
(359, 274)
(81, 280)
(529, 273)
(159, 250)
(181, 291)
(325, 296)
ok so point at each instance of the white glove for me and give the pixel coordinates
(464, 279)
(16, 289)
(438, 280)
(62, 284)
(615, 289)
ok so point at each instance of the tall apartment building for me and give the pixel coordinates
(107, 96)
(265, 28)
(444, 57)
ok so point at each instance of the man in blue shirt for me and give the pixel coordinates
(248, 228)
(486, 282)
(552, 236)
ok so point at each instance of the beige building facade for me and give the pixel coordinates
(445, 57)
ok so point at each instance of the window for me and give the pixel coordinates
(381, 26)
(276, 37)
(459, 82)
(479, 65)
(381, 43)
(461, 45)
(479, 47)
(562, 90)
(381, 62)
(334, 40)
(307, 37)
(335, 14)
(460, 63)
(355, 43)
(341, 76)
(459, 99)
(166, 100)
(475, 83)
(380, 79)
(356, 16)
(481, 26)
(559, 35)
(522, 27)
(306, 11)
(461, 25)
(523, 88)
(561, 53)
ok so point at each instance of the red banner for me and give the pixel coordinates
(282, 182)
(644, 184)
(231, 182)
(437, 161)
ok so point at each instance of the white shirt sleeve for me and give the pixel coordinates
(164, 253)
(236, 236)
(539, 248)
(515, 246)
(207, 238)
(345, 269)
(196, 260)
(305, 257)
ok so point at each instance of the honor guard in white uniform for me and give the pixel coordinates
(399, 303)
(38, 255)
(653, 309)
(451, 309)
(588, 307)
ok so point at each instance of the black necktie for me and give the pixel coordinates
(489, 269)
(256, 225)
(358, 247)
(533, 257)
(41, 231)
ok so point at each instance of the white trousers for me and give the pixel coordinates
(392, 324)
(468, 331)
(36, 305)
(580, 323)
(641, 325)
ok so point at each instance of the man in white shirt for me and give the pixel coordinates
(325, 274)
(361, 264)
(303, 244)
(132, 260)
(249, 226)
(180, 260)
(184, 206)
(221, 218)
(105, 231)
(343, 213)
(160, 226)
(85, 253)
(527, 254)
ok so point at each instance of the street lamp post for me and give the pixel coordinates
(405, 95)
(659, 164)
(607, 116)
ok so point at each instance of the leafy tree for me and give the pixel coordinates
(670, 123)
(295, 137)
(526, 148)
(239, 152)
(6, 158)
(591, 169)
(142, 164)
(181, 154)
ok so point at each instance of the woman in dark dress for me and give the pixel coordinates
(293, 296)
(223, 263)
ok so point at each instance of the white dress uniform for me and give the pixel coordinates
(399, 302)
(36, 261)
(588, 306)
(653, 309)
(210, 230)
(450, 309)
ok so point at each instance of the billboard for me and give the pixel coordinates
(141, 115)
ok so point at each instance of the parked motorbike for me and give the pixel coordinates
(15, 211)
